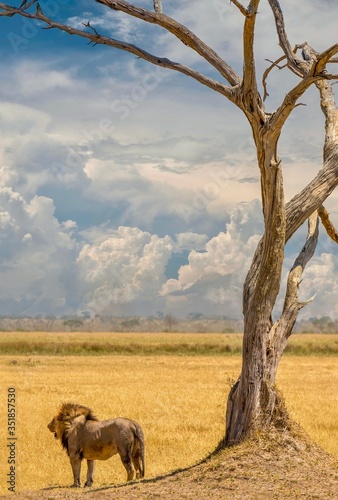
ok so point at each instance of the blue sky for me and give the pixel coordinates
(128, 189)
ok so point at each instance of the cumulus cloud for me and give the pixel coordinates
(215, 275)
(48, 267)
(127, 268)
(36, 254)
(32, 154)
(191, 241)
(212, 280)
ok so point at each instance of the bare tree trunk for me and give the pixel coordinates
(252, 401)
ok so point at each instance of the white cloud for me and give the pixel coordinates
(126, 268)
(215, 272)
(191, 241)
(34, 79)
(123, 271)
(21, 119)
(36, 253)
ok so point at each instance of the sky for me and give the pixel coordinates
(127, 189)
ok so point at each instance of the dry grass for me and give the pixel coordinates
(148, 344)
(309, 386)
(179, 401)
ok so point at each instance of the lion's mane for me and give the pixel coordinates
(65, 417)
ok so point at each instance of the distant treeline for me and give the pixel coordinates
(193, 323)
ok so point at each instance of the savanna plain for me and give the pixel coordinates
(175, 385)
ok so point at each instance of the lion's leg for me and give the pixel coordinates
(76, 468)
(136, 458)
(126, 460)
(90, 472)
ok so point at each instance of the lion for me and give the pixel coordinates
(82, 435)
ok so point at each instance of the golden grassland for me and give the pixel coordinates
(85, 343)
(82, 343)
(178, 399)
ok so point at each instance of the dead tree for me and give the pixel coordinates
(252, 401)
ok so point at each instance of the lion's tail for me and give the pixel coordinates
(138, 433)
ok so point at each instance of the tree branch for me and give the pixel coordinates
(303, 204)
(330, 229)
(315, 193)
(325, 57)
(282, 329)
(240, 7)
(253, 104)
(313, 73)
(249, 70)
(96, 39)
(267, 71)
(278, 118)
(180, 31)
(309, 55)
(297, 66)
(291, 304)
(330, 110)
(24, 5)
(319, 61)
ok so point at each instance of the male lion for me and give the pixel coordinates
(84, 436)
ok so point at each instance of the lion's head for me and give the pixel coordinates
(53, 427)
(61, 423)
